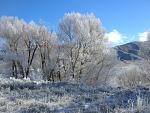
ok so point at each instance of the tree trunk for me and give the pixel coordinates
(30, 60)
(52, 75)
(14, 69)
(59, 75)
(21, 70)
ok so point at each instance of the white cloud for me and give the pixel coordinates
(143, 36)
(115, 37)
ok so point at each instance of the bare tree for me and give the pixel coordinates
(11, 30)
(145, 54)
(85, 48)
(47, 50)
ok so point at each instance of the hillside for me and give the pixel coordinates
(129, 51)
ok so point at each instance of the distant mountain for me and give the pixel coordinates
(129, 51)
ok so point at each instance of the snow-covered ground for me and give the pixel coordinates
(26, 96)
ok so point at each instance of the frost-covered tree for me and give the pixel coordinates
(30, 40)
(11, 30)
(145, 54)
(23, 40)
(85, 49)
(145, 50)
(82, 50)
(47, 52)
(39, 43)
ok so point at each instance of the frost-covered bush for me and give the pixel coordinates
(131, 75)
(130, 79)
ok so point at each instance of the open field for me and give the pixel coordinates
(24, 96)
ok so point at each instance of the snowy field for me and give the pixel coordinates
(25, 96)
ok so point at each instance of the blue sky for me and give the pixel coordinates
(127, 19)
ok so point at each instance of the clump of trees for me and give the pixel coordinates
(24, 42)
(78, 51)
